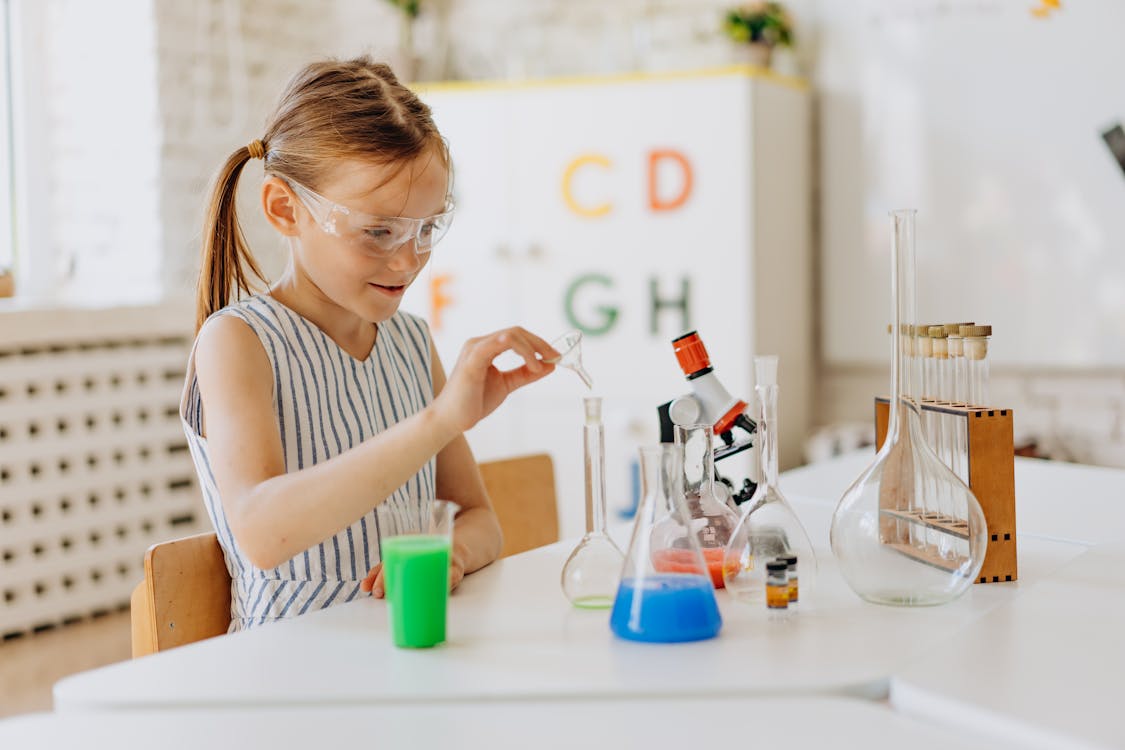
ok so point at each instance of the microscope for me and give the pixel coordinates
(709, 402)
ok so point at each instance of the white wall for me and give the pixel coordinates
(1030, 213)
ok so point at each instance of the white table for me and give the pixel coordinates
(684, 722)
(1045, 670)
(514, 636)
(1000, 661)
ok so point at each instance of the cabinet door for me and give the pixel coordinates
(633, 224)
(467, 289)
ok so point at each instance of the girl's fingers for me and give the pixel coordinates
(483, 350)
(373, 582)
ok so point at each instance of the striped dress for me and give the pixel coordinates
(326, 402)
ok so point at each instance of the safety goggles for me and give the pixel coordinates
(379, 236)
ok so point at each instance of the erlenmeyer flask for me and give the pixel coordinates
(882, 535)
(712, 520)
(655, 604)
(569, 347)
(768, 528)
(591, 573)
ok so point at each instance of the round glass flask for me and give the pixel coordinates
(768, 527)
(590, 575)
(888, 534)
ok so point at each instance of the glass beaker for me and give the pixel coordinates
(569, 347)
(591, 573)
(712, 520)
(768, 528)
(880, 533)
(655, 604)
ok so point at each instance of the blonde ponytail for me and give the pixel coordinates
(226, 255)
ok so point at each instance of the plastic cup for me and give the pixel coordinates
(416, 574)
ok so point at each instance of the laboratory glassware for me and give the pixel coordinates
(712, 519)
(654, 603)
(768, 527)
(976, 340)
(869, 534)
(569, 347)
(590, 575)
(959, 395)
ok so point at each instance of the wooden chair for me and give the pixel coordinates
(185, 595)
(522, 491)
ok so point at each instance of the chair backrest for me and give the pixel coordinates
(523, 493)
(185, 595)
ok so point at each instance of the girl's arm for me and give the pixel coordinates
(275, 515)
(476, 533)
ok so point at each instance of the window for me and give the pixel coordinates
(7, 177)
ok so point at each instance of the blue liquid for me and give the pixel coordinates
(666, 609)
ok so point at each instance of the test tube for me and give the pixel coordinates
(976, 338)
(958, 395)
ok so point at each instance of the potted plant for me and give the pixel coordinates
(757, 28)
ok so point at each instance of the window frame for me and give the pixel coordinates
(29, 158)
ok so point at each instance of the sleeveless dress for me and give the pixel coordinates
(326, 402)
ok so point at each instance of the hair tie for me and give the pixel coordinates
(256, 149)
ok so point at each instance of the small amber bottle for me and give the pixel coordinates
(791, 561)
(777, 584)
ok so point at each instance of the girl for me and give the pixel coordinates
(319, 417)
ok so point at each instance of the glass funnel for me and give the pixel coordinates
(887, 531)
(655, 603)
(589, 578)
(569, 347)
(768, 528)
(712, 520)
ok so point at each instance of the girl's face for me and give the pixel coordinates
(344, 250)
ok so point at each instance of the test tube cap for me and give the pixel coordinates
(954, 329)
(975, 331)
(938, 332)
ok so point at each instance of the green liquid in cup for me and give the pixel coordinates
(416, 569)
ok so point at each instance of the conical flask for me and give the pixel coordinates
(888, 535)
(712, 520)
(768, 528)
(591, 573)
(655, 604)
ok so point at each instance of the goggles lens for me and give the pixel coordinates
(375, 235)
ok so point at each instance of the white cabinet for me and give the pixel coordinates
(635, 209)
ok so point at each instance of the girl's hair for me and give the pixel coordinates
(330, 111)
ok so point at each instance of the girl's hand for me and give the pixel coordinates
(374, 580)
(476, 387)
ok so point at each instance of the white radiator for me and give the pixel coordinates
(94, 465)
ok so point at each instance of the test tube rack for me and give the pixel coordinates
(992, 479)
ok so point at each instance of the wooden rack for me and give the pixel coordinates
(992, 479)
